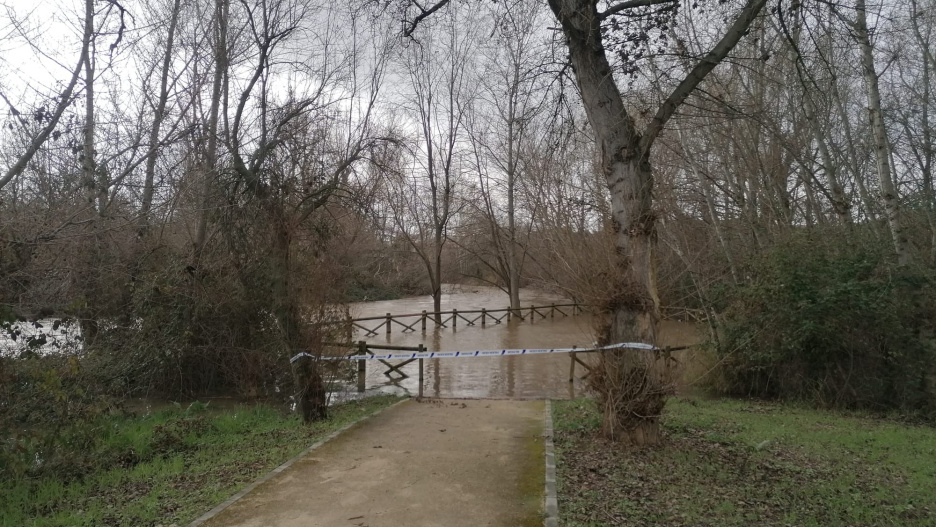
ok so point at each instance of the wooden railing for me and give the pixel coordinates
(362, 348)
(684, 314)
(471, 317)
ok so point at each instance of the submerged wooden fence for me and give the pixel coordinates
(444, 319)
(451, 318)
(362, 349)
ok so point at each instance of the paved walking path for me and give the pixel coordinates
(435, 463)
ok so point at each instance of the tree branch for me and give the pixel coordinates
(64, 101)
(631, 4)
(410, 27)
(699, 72)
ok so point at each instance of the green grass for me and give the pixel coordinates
(170, 467)
(731, 462)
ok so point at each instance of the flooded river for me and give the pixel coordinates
(517, 377)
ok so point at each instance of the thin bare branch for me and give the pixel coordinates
(410, 27)
(64, 101)
(631, 4)
(721, 50)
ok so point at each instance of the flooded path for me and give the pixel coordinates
(512, 377)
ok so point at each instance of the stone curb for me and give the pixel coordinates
(551, 516)
(233, 499)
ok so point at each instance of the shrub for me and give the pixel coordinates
(48, 416)
(829, 318)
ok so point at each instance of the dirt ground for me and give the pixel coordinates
(435, 463)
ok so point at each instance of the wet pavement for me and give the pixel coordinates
(436, 463)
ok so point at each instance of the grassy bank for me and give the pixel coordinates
(730, 462)
(172, 466)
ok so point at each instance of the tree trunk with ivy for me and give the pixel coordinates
(631, 385)
(311, 397)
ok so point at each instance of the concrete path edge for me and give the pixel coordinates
(246, 490)
(551, 509)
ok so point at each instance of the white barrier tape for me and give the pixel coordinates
(477, 353)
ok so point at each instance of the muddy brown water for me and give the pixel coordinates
(512, 377)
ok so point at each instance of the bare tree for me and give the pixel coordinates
(291, 153)
(636, 388)
(633, 307)
(882, 150)
(51, 119)
(209, 166)
(159, 114)
(911, 106)
(515, 93)
(439, 94)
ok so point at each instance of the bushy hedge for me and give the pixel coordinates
(182, 333)
(829, 318)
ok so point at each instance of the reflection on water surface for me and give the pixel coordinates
(520, 377)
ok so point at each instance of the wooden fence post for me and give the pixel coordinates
(572, 367)
(421, 349)
(483, 316)
(361, 366)
(509, 311)
(454, 318)
(389, 322)
(552, 311)
(424, 321)
(532, 314)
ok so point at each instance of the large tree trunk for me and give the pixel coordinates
(632, 385)
(312, 397)
(283, 299)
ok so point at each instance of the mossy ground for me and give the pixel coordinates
(733, 462)
(531, 482)
(174, 465)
